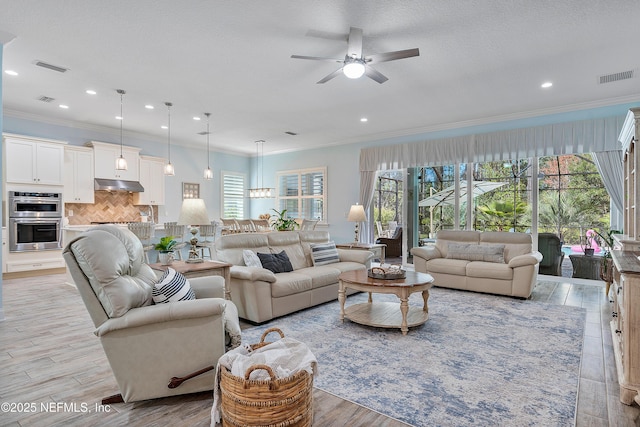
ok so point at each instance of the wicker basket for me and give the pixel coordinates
(277, 402)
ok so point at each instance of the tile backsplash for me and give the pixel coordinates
(114, 206)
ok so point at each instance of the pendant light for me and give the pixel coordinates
(260, 192)
(208, 173)
(121, 162)
(168, 168)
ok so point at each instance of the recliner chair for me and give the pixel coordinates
(550, 247)
(154, 350)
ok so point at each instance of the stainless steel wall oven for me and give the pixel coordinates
(35, 221)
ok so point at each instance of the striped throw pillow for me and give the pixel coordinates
(324, 253)
(172, 287)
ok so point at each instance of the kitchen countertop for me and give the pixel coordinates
(85, 227)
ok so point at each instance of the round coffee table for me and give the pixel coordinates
(385, 314)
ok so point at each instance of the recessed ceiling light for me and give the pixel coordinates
(91, 91)
(546, 85)
(364, 119)
(164, 127)
(196, 118)
(66, 107)
(118, 117)
(149, 107)
(11, 72)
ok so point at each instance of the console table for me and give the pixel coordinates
(200, 269)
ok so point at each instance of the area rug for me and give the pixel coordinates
(480, 360)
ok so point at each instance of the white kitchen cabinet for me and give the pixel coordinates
(152, 179)
(78, 175)
(33, 160)
(105, 156)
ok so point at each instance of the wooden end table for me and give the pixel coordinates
(385, 314)
(377, 248)
(200, 269)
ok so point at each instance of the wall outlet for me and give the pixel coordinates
(70, 212)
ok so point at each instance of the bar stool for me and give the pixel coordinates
(178, 232)
(206, 230)
(145, 232)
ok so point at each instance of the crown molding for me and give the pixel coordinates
(16, 114)
(478, 122)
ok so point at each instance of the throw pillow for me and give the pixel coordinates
(487, 253)
(278, 263)
(324, 253)
(251, 259)
(172, 287)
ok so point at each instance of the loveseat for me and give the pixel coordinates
(493, 262)
(261, 295)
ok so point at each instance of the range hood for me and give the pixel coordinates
(118, 185)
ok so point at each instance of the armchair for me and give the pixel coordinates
(154, 350)
(394, 243)
(552, 256)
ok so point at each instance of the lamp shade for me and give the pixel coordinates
(356, 214)
(193, 212)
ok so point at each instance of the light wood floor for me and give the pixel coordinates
(49, 356)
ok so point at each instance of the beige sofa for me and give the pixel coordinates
(261, 295)
(492, 262)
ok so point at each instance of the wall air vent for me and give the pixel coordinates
(51, 67)
(623, 75)
(46, 99)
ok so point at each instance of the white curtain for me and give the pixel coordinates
(585, 136)
(367, 183)
(609, 164)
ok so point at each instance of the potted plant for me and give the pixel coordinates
(165, 249)
(282, 222)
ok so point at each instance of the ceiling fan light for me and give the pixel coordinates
(353, 70)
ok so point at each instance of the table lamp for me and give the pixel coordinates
(193, 213)
(357, 215)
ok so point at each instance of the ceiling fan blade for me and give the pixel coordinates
(317, 58)
(331, 76)
(392, 56)
(375, 74)
(354, 49)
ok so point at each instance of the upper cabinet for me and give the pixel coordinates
(152, 179)
(105, 156)
(629, 138)
(33, 160)
(78, 175)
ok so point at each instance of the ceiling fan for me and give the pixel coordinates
(354, 64)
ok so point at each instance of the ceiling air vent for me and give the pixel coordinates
(291, 133)
(623, 75)
(204, 132)
(51, 67)
(46, 99)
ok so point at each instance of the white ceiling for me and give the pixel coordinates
(480, 61)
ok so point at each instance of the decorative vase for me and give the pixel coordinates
(165, 258)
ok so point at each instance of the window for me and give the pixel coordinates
(232, 195)
(303, 193)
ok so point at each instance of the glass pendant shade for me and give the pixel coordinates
(169, 170)
(208, 173)
(121, 163)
